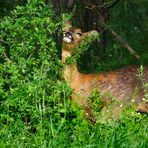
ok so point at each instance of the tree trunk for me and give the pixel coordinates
(95, 17)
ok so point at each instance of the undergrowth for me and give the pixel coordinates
(35, 106)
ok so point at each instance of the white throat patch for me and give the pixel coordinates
(66, 39)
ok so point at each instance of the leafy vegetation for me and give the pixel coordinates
(35, 105)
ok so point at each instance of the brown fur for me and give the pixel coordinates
(122, 85)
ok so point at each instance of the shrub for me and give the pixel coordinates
(32, 96)
(35, 109)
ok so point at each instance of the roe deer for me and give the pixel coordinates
(123, 84)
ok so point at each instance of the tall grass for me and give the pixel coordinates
(35, 106)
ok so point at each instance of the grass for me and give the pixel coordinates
(131, 131)
(35, 109)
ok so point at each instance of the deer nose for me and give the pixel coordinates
(69, 35)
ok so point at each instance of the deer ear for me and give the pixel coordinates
(69, 24)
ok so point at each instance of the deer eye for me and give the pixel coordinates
(79, 33)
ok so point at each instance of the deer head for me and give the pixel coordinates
(72, 37)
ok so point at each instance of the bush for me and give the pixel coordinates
(35, 106)
(33, 98)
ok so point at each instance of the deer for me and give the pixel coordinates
(123, 84)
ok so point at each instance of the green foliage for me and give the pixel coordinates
(129, 20)
(7, 6)
(35, 106)
(83, 47)
(96, 101)
(145, 85)
(33, 99)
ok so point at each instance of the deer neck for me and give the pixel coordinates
(71, 73)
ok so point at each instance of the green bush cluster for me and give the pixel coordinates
(33, 97)
(35, 106)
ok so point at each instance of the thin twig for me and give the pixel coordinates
(3, 41)
(104, 5)
(123, 42)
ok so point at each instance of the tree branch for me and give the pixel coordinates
(113, 4)
(123, 42)
(106, 5)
